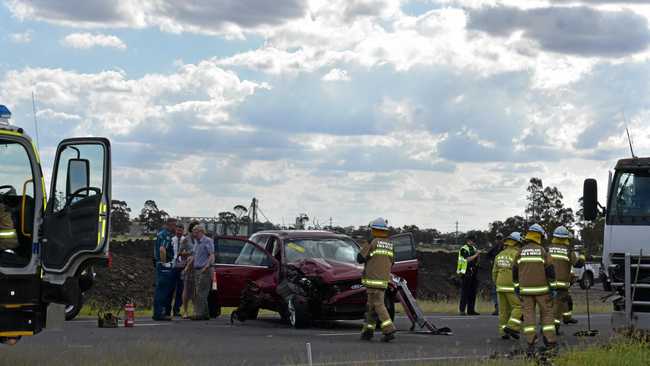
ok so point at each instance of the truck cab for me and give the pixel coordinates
(626, 253)
(47, 241)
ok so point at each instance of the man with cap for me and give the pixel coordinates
(563, 259)
(467, 267)
(509, 304)
(378, 257)
(532, 275)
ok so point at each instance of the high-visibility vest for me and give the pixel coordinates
(8, 239)
(461, 267)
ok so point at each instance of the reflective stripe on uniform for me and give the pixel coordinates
(530, 260)
(534, 290)
(514, 320)
(567, 314)
(516, 284)
(505, 289)
(385, 252)
(374, 283)
(386, 323)
(529, 329)
(369, 326)
(557, 322)
(560, 284)
(461, 266)
(8, 234)
(561, 257)
(548, 328)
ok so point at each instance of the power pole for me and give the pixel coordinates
(456, 233)
(330, 222)
(251, 229)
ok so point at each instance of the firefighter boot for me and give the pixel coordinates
(570, 321)
(549, 349)
(367, 335)
(388, 337)
(511, 332)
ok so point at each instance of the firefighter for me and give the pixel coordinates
(509, 304)
(563, 259)
(532, 275)
(378, 257)
(467, 267)
(8, 234)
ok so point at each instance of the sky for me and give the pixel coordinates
(424, 112)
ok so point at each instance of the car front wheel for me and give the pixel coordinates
(298, 313)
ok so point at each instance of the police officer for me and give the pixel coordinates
(509, 304)
(163, 257)
(378, 257)
(532, 275)
(467, 267)
(563, 259)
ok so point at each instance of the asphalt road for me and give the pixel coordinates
(268, 341)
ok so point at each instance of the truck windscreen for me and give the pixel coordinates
(630, 199)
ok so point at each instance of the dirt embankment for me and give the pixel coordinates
(437, 278)
(131, 276)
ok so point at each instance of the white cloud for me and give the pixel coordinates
(24, 37)
(89, 40)
(336, 75)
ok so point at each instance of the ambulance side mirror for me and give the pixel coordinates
(78, 176)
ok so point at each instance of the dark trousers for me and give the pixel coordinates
(468, 292)
(164, 291)
(178, 297)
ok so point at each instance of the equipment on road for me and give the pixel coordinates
(46, 246)
(414, 312)
(588, 332)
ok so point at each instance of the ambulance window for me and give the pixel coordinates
(16, 170)
(80, 174)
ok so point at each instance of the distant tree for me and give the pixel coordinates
(591, 232)
(227, 220)
(515, 223)
(120, 217)
(545, 206)
(152, 217)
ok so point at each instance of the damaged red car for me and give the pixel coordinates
(305, 276)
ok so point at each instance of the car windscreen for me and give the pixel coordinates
(327, 248)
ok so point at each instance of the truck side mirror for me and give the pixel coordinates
(590, 199)
(78, 175)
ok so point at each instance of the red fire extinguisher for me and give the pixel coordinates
(214, 281)
(129, 318)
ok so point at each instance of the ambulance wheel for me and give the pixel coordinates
(72, 310)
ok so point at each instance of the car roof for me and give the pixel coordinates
(303, 234)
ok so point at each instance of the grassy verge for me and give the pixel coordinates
(87, 312)
(619, 352)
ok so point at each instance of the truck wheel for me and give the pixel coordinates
(587, 281)
(72, 310)
(298, 313)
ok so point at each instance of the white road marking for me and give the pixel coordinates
(397, 360)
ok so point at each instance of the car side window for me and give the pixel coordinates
(251, 255)
(228, 250)
(403, 247)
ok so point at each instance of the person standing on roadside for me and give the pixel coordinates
(163, 258)
(467, 267)
(180, 260)
(187, 275)
(492, 254)
(202, 261)
(509, 304)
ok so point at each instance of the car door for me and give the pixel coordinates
(77, 217)
(238, 261)
(406, 262)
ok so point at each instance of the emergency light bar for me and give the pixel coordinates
(5, 114)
